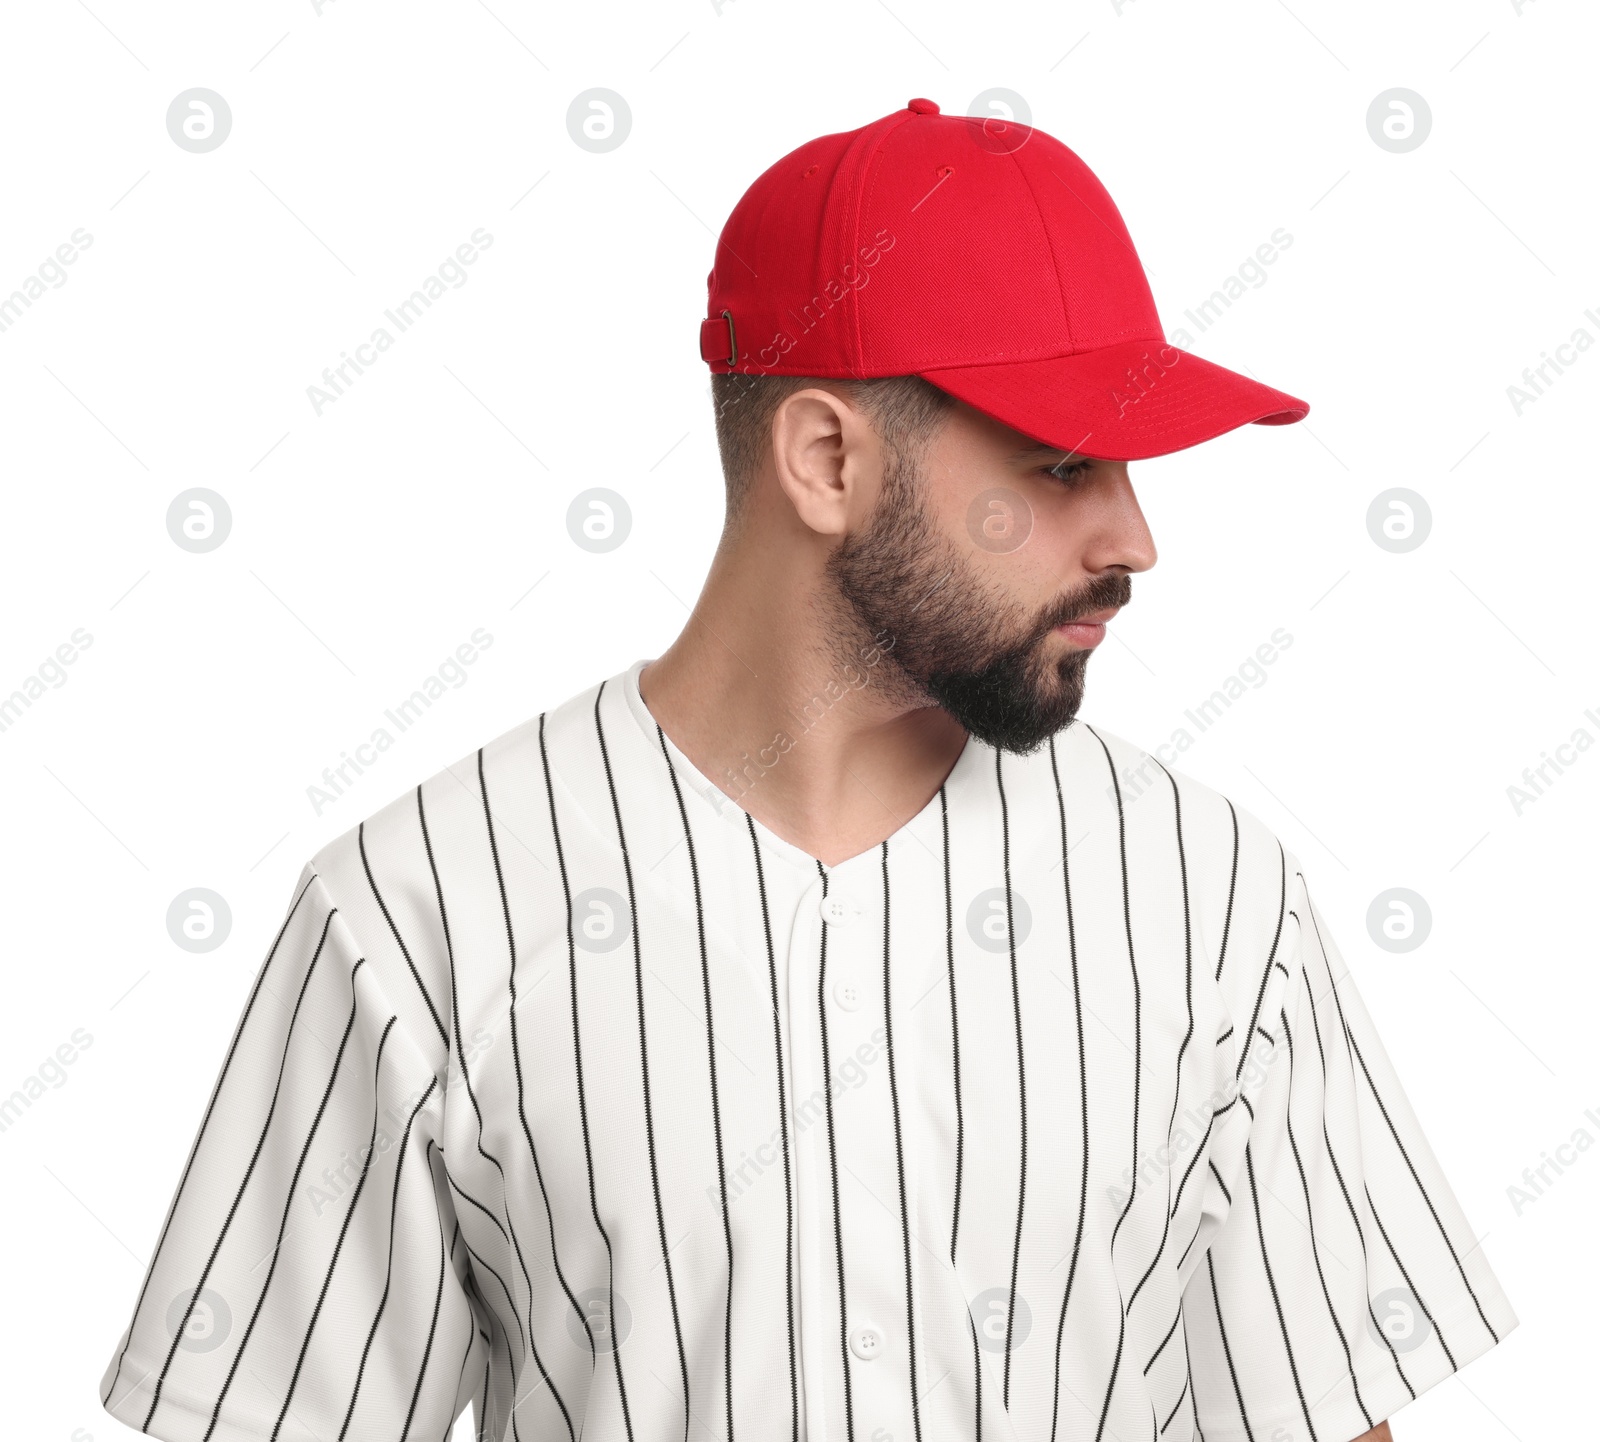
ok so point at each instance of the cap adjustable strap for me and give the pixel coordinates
(717, 339)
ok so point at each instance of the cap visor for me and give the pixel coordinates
(1125, 402)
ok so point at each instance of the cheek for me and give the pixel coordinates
(1066, 523)
(1031, 581)
(973, 501)
(1013, 566)
(1019, 536)
(992, 521)
(1048, 561)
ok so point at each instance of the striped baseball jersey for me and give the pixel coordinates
(570, 1091)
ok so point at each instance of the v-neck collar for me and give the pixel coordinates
(727, 810)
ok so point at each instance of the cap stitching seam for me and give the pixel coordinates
(1050, 242)
(1035, 354)
(862, 201)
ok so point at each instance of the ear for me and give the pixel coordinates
(827, 458)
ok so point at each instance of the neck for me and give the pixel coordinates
(799, 714)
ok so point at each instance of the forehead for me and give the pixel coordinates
(973, 432)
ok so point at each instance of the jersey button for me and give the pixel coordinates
(836, 910)
(866, 1341)
(847, 994)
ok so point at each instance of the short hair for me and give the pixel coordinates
(905, 411)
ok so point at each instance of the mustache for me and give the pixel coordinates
(1098, 594)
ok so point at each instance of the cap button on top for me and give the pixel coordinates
(922, 107)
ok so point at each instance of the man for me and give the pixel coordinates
(809, 1032)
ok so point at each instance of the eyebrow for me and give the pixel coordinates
(1041, 451)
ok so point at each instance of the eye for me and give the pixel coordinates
(1069, 471)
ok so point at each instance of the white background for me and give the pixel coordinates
(367, 543)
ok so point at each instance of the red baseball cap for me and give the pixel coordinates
(986, 258)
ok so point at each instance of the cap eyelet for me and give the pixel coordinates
(809, 171)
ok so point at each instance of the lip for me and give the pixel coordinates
(1088, 630)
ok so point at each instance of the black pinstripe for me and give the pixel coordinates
(900, 1157)
(833, 1171)
(288, 1201)
(1350, 1206)
(577, 1061)
(1311, 1226)
(394, 931)
(433, 1329)
(344, 1228)
(388, 1275)
(644, 1067)
(1222, 1334)
(955, 1059)
(205, 1123)
(511, 1022)
(1266, 971)
(1233, 881)
(783, 1124)
(1022, 1078)
(1138, 1050)
(255, 1157)
(1083, 1083)
(1272, 1284)
(716, 1104)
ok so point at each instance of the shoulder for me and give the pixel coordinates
(1236, 871)
(1131, 774)
(405, 876)
(445, 809)
(393, 843)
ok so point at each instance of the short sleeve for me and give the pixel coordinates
(1344, 1279)
(309, 1282)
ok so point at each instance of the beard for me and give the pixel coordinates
(949, 638)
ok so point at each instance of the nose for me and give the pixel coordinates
(1118, 537)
